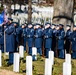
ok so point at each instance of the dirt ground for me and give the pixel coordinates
(6, 72)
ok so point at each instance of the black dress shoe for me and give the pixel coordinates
(9, 64)
(73, 58)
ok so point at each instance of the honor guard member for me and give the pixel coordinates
(38, 38)
(48, 34)
(73, 38)
(20, 35)
(68, 39)
(24, 34)
(2, 38)
(10, 40)
(53, 26)
(60, 34)
(43, 52)
(30, 38)
(54, 38)
(16, 32)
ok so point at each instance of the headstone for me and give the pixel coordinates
(51, 56)
(68, 58)
(16, 62)
(17, 6)
(48, 67)
(66, 69)
(21, 51)
(29, 65)
(74, 19)
(34, 53)
(0, 58)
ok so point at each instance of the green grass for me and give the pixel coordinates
(39, 65)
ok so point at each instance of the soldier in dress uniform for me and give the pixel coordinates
(10, 40)
(73, 38)
(48, 34)
(43, 50)
(68, 39)
(20, 35)
(24, 35)
(54, 38)
(60, 34)
(30, 38)
(38, 38)
(16, 32)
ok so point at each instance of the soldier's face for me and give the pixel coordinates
(37, 26)
(57, 28)
(67, 28)
(23, 26)
(60, 27)
(47, 26)
(4, 26)
(15, 24)
(34, 27)
(9, 21)
(74, 29)
(52, 27)
(30, 26)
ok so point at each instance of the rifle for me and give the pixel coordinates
(56, 48)
(4, 42)
(4, 45)
(70, 47)
(43, 48)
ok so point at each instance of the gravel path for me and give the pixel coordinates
(5, 72)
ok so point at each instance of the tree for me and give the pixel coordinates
(49, 1)
(29, 10)
(63, 12)
(20, 2)
(8, 4)
(75, 5)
